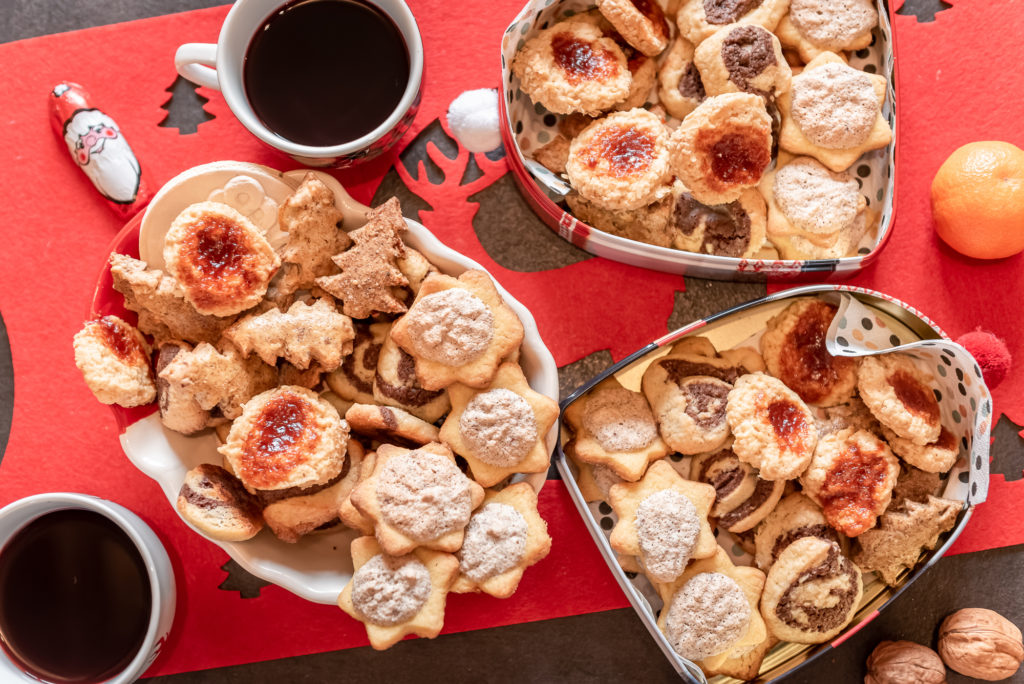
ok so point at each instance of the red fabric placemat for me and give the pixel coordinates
(57, 232)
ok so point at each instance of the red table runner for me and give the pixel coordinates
(57, 232)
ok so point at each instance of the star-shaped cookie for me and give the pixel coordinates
(428, 620)
(523, 499)
(491, 430)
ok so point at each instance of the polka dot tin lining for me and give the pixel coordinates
(533, 126)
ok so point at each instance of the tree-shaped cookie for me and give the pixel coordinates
(303, 334)
(369, 267)
(396, 596)
(313, 223)
(500, 429)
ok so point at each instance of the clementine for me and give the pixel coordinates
(978, 200)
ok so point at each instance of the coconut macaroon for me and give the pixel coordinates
(710, 612)
(114, 359)
(287, 438)
(663, 521)
(833, 113)
(899, 395)
(680, 87)
(417, 498)
(723, 147)
(615, 427)
(505, 536)
(394, 596)
(699, 19)
(773, 429)
(851, 477)
(500, 429)
(733, 229)
(621, 161)
(458, 330)
(221, 259)
(794, 349)
(743, 58)
(816, 26)
(573, 67)
(641, 24)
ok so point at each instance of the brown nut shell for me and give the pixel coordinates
(981, 643)
(904, 662)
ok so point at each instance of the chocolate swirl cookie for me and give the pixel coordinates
(353, 379)
(811, 593)
(734, 229)
(699, 19)
(743, 58)
(742, 499)
(395, 384)
(795, 517)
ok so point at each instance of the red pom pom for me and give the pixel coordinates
(991, 354)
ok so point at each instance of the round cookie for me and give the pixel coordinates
(851, 477)
(573, 67)
(742, 498)
(647, 224)
(734, 229)
(640, 22)
(773, 429)
(394, 383)
(900, 396)
(723, 147)
(390, 425)
(621, 161)
(214, 502)
(690, 411)
(743, 58)
(114, 359)
(699, 19)
(811, 593)
(793, 347)
(353, 379)
(680, 86)
(794, 517)
(935, 457)
(644, 71)
(833, 113)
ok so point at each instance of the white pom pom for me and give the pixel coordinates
(473, 120)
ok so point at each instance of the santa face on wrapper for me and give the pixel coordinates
(97, 146)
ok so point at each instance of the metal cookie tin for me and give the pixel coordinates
(526, 126)
(881, 323)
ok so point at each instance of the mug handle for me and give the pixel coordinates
(195, 61)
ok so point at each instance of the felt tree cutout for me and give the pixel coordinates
(1007, 449)
(184, 107)
(924, 10)
(240, 580)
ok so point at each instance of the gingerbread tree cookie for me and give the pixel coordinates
(313, 224)
(397, 596)
(500, 429)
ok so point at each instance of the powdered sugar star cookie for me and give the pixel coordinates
(501, 429)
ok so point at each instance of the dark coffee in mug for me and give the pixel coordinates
(325, 72)
(75, 597)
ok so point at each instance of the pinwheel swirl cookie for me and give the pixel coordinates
(353, 378)
(501, 429)
(733, 229)
(614, 427)
(573, 67)
(773, 429)
(663, 521)
(458, 330)
(417, 498)
(743, 58)
(710, 614)
(699, 19)
(394, 596)
(505, 536)
(395, 384)
(742, 498)
(794, 517)
(681, 89)
(833, 113)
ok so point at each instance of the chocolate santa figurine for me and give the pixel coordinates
(99, 148)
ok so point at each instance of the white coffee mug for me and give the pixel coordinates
(18, 514)
(220, 67)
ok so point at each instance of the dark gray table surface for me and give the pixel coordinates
(607, 646)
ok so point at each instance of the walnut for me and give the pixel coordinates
(981, 643)
(904, 662)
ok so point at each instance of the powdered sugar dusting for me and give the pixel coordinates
(707, 615)
(390, 590)
(495, 542)
(835, 106)
(452, 326)
(423, 495)
(668, 526)
(815, 199)
(620, 420)
(499, 426)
